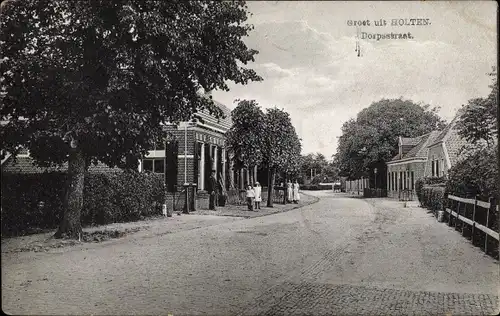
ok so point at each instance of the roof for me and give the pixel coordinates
(223, 123)
(448, 128)
(411, 141)
(454, 144)
(420, 147)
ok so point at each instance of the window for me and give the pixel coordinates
(412, 181)
(159, 166)
(437, 168)
(432, 162)
(147, 165)
(153, 165)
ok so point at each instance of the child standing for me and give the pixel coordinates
(250, 197)
(258, 195)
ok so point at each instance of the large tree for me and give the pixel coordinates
(245, 138)
(371, 139)
(478, 121)
(88, 81)
(281, 147)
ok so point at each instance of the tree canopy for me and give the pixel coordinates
(321, 167)
(107, 73)
(88, 81)
(372, 137)
(479, 118)
(245, 138)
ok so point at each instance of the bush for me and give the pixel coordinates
(432, 197)
(476, 174)
(315, 187)
(31, 201)
(420, 183)
(108, 198)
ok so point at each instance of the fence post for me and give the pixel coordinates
(465, 215)
(458, 214)
(474, 219)
(450, 204)
(490, 200)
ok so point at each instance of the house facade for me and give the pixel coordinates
(409, 164)
(429, 155)
(444, 152)
(201, 148)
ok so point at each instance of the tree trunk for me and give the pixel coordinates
(270, 187)
(247, 176)
(71, 226)
(285, 198)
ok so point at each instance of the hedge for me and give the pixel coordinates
(35, 201)
(313, 187)
(432, 197)
(475, 174)
(420, 183)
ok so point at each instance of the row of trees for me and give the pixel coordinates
(89, 81)
(371, 139)
(317, 168)
(264, 139)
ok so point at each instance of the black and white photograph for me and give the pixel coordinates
(249, 157)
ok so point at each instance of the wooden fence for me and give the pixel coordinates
(475, 218)
(356, 186)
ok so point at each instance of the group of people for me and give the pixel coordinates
(293, 192)
(254, 194)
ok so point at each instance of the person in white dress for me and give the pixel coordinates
(289, 191)
(258, 195)
(296, 195)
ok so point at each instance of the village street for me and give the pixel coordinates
(340, 255)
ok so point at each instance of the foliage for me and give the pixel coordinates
(314, 187)
(479, 118)
(281, 143)
(476, 173)
(432, 197)
(89, 81)
(421, 182)
(108, 198)
(372, 137)
(323, 168)
(107, 73)
(245, 139)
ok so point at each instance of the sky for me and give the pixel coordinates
(310, 68)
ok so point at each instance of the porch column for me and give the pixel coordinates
(201, 185)
(388, 180)
(214, 162)
(223, 153)
(231, 172)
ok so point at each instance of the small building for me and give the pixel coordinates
(429, 155)
(409, 164)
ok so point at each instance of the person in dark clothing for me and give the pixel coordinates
(214, 192)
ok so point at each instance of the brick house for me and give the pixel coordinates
(201, 148)
(429, 155)
(409, 164)
(444, 151)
